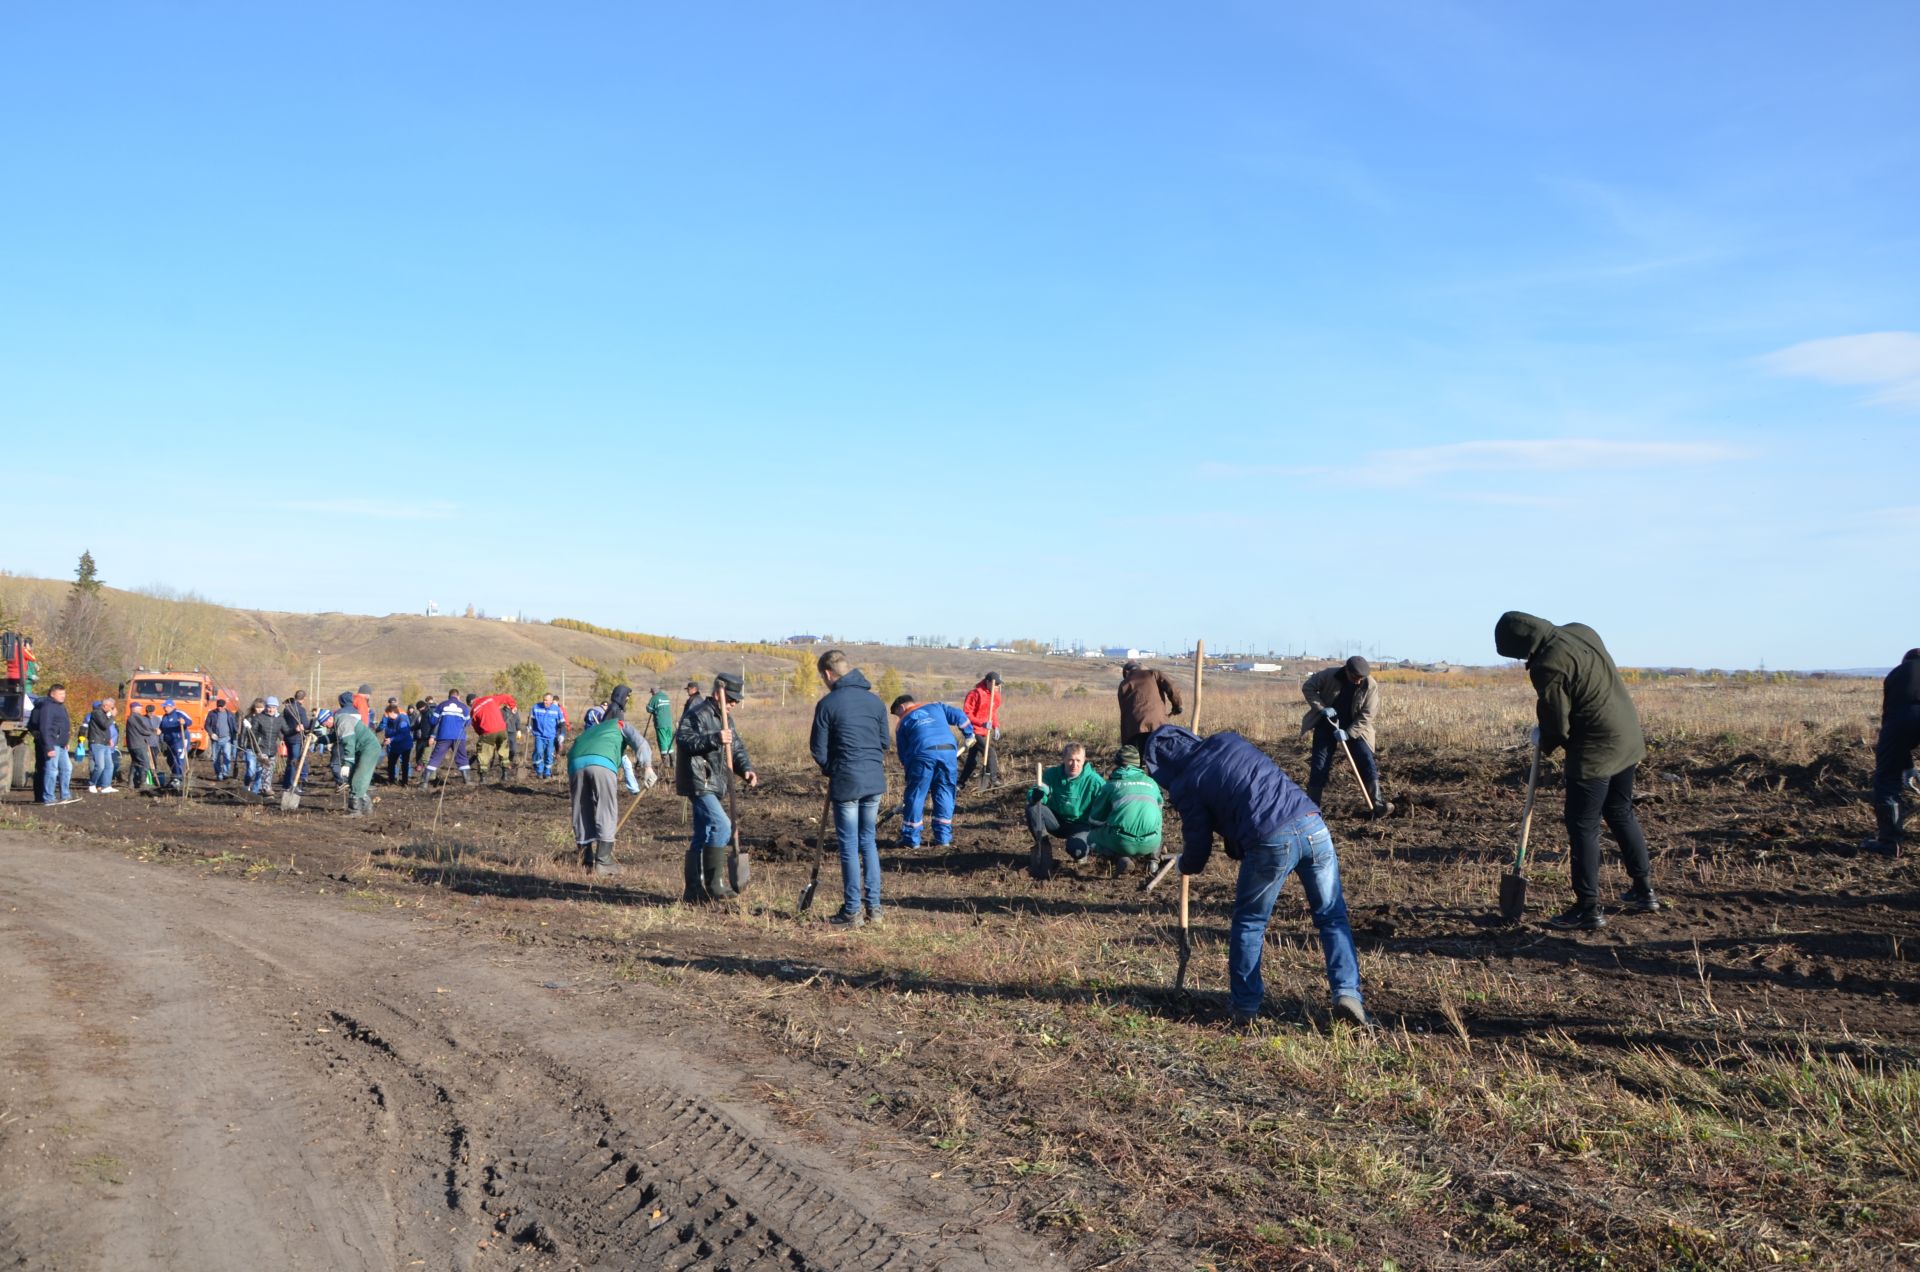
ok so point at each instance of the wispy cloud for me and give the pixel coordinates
(377, 509)
(1888, 360)
(1415, 465)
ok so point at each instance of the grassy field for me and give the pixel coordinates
(1728, 1084)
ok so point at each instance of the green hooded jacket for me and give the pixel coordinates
(1583, 702)
(1126, 815)
(660, 707)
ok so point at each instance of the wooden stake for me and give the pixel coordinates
(1199, 666)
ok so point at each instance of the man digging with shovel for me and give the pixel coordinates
(1340, 706)
(592, 763)
(1224, 783)
(1583, 706)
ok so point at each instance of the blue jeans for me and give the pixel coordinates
(1302, 843)
(222, 758)
(1326, 754)
(856, 822)
(100, 770)
(56, 776)
(543, 749)
(259, 772)
(710, 824)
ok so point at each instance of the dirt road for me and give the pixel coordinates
(195, 1072)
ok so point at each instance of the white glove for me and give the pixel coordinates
(1533, 738)
(652, 778)
(1340, 734)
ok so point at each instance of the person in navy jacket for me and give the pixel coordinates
(1224, 784)
(449, 735)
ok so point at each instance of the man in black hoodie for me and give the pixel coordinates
(1893, 753)
(52, 731)
(850, 743)
(101, 737)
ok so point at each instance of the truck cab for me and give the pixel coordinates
(193, 692)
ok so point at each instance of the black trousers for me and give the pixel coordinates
(972, 758)
(1590, 802)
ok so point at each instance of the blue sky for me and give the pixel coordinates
(1326, 327)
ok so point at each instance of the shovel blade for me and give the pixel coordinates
(806, 894)
(740, 870)
(1513, 897)
(289, 800)
(1180, 972)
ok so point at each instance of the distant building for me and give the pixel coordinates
(1255, 666)
(1126, 651)
(801, 640)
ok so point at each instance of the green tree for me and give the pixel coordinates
(411, 691)
(454, 680)
(524, 680)
(890, 686)
(86, 578)
(605, 681)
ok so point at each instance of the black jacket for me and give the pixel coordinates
(850, 741)
(293, 720)
(698, 768)
(1901, 688)
(261, 734)
(99, 728)
(50, 725)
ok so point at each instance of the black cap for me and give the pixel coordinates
(992, 677)
(904, 701)
(1130, 665)
(346, 697)
(693, 684)
(731, 683)
(1358, 666)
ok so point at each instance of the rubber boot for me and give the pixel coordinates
(1887, 821)
(466, 775)
(715, 861)
(696, 884)
(1380, 806)
(586, 856)
(603, 862)
(1314, 790)
(1041, 864)
(426, 778)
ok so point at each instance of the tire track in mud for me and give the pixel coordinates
(376, 1093)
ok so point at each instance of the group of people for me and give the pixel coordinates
(151, 735)
(1221, 784)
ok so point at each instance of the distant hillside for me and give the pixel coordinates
(261, 651)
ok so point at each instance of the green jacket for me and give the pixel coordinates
(1126, 815)
(660, 707)
(1071, 800)
(600, 746)
(1583, 702)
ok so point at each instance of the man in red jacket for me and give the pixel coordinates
(982, 705)
(490, 722)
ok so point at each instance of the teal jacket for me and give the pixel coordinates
(1071, 799)
(1126, 815)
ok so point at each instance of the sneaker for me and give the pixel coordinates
(1578, 919)
(842, 919)
(1639, 899)
(1348, 1010)
(71, 799)
(874, 919)
(109, 790)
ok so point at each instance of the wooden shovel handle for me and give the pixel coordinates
(1526, 817)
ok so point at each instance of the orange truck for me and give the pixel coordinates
(193, 692)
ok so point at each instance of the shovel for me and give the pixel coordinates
(819, 851)
(1513, 884)
(1186, 939)
(290, 798)
(1166, 869)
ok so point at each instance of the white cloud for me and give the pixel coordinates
(1888, 360)
(1418, 464)
(376, 509)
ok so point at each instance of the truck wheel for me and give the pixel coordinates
(21, 758)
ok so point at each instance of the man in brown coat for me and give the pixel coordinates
(1147, 701)
(1340, 706)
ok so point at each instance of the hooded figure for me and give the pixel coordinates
(1893, 752)
(1225, 784)
(703, 770)
(1583, 706)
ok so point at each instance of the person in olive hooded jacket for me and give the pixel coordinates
(1893, 751)
(1583, 706)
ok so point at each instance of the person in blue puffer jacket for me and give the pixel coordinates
(924, 738)
(1226, 784)
(544, 720)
